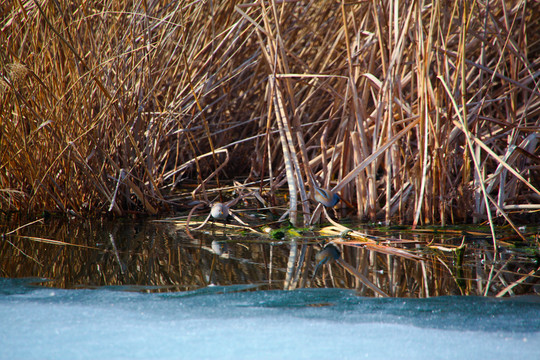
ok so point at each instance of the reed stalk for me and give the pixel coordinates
(416, 113)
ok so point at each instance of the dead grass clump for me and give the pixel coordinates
(411, 111)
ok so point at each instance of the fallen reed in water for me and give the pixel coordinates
(157, 257)
(415, 113)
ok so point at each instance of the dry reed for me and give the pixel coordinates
(416, 112)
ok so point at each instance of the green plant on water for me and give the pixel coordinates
(277, 234)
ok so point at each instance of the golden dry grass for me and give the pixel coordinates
(416, 112)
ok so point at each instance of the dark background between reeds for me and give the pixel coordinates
(158, 95)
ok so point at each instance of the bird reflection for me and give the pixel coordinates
(329, 253)
(220, 248)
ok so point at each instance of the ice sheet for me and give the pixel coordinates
(231, 323)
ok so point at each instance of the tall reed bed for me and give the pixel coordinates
(416, 112)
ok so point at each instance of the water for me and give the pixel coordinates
(87, 254)
(236, 322)
(140, 290)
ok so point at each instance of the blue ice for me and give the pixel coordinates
(234, 323)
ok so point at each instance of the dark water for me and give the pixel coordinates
(160, 257)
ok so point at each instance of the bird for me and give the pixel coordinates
(327, 198)
(219, 211)
(328, 254)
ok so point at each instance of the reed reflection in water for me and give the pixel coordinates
(159, 257)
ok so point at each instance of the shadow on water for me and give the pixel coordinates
(155, 256)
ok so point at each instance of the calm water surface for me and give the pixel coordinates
(161, 257)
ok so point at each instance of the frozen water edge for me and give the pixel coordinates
(44, 323)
